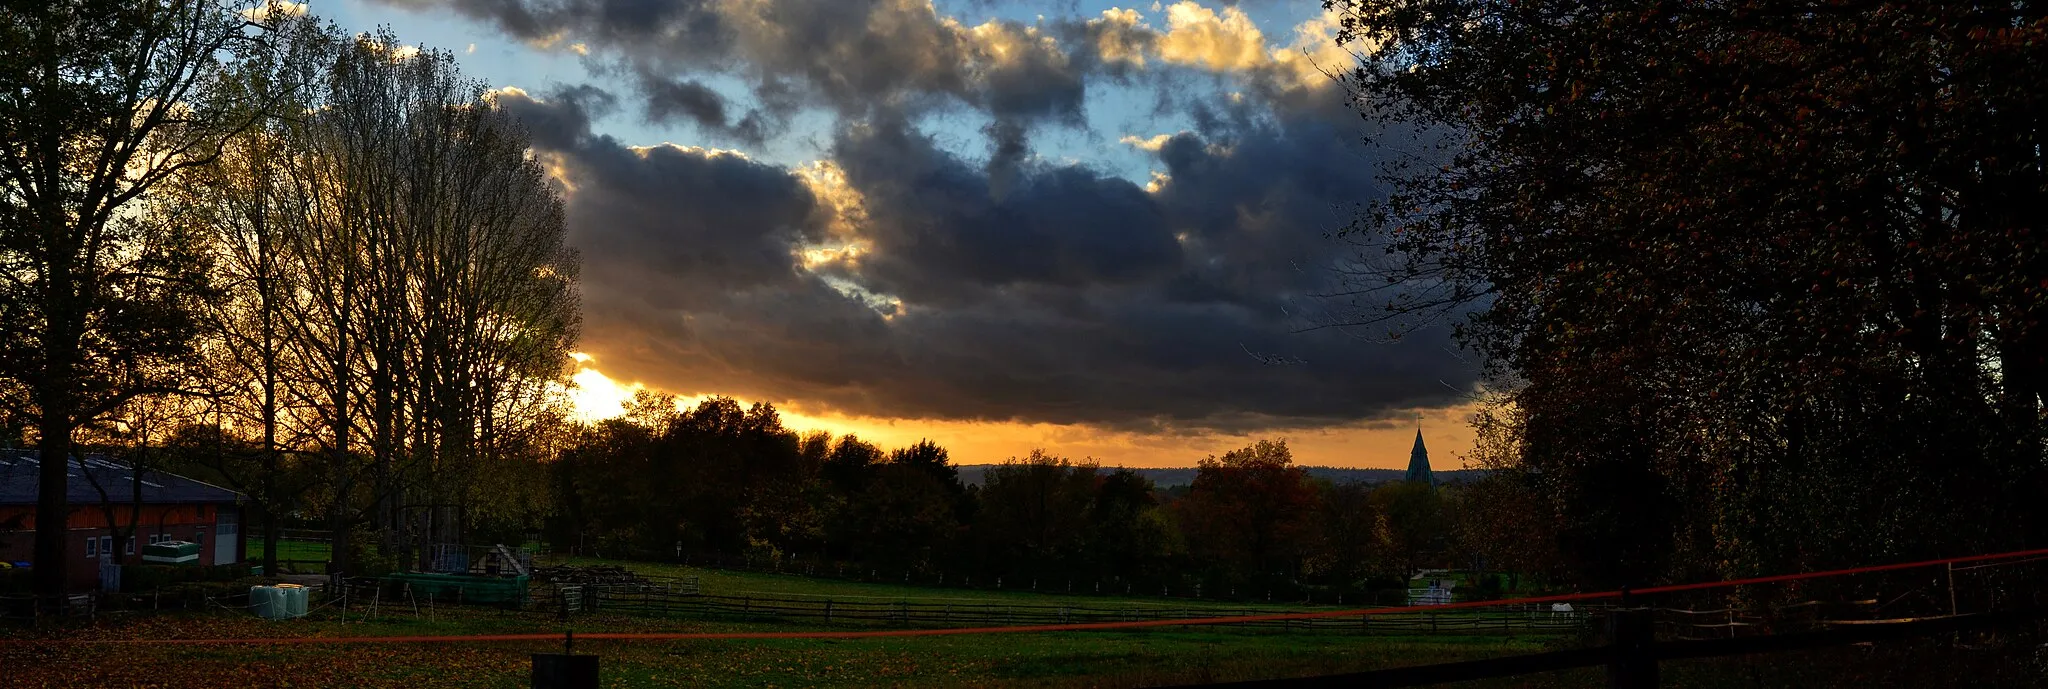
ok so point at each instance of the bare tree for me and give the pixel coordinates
(240, 203)
(401, 294)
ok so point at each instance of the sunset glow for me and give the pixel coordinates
(1378, 444)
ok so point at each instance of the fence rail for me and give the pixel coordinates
(673, 602)
(1622, 653)
(1172, 587)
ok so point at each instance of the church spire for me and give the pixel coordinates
(1418, 463)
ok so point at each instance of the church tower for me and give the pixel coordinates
(1418, 463)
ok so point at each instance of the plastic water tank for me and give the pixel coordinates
(267, 602)
(295, 597)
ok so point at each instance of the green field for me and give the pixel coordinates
(52, 657)
(302, 556)
(1051, 659)
(742, 583)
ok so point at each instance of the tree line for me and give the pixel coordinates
(320, 268)
(1762, 286)
(663, 481)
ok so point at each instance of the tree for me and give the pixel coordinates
(851, 464)
(1413, 523)
(100, 102)
(398, 294)
(1351, 530)
(239, 205)
(1251, 511)
(1761, 278)
(903, 517)
(1505, 517)
(1034, 512)
(904, 512)
(1127, 533)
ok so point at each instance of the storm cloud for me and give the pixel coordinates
(857, 57)
(896, 278)
(900, 274)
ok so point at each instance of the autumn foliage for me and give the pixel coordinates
(1763, 284)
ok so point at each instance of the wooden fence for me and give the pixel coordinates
(1631, 654)
(667, 600)
(1172, 587)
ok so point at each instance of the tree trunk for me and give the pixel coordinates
(53, 509)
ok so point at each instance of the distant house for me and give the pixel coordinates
(173, 508)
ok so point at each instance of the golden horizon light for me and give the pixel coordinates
(1382, 444)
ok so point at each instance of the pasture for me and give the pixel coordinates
(1138, 658)
(68, 658)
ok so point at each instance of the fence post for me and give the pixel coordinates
(1951, 588)
(828, 611)
(1629, 631)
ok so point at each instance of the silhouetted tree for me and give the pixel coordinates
(100, 103)
(1251, 512)
(1764, 279)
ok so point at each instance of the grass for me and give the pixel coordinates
(1071, 659)
(1097, 659)
(290, 551)
(1053, 659)
(743, 583)
(1165, 656)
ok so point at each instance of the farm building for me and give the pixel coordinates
(172, 508)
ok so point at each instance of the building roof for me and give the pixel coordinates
(1418, 463)
(19, 469)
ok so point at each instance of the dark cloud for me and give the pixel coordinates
(857, 57)
(1004, 287)
(686, 99)
(670, 224)
(1075, 297)
(689, 100)
(692, 24)
(940, 227)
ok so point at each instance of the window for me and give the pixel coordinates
(92, 547)
(199, 538)
(106, 546)
(128, 544)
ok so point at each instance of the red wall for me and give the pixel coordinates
(177, 522)
(95, 516)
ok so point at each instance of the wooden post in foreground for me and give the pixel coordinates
(1629, 632)
(565, 670)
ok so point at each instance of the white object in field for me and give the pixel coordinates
(266, 602)
(280, 602)
(295, 597)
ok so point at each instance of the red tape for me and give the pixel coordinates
(1084, 626)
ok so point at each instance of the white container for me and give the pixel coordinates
(268, 602)
(294, 597)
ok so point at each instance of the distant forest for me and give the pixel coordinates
(971, 474)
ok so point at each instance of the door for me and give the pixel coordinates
(227, 539)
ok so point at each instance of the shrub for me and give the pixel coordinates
(1489, 588)
(232, 593)
(14, 580)
(141, 578)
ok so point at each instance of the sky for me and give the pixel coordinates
(1103, 230)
